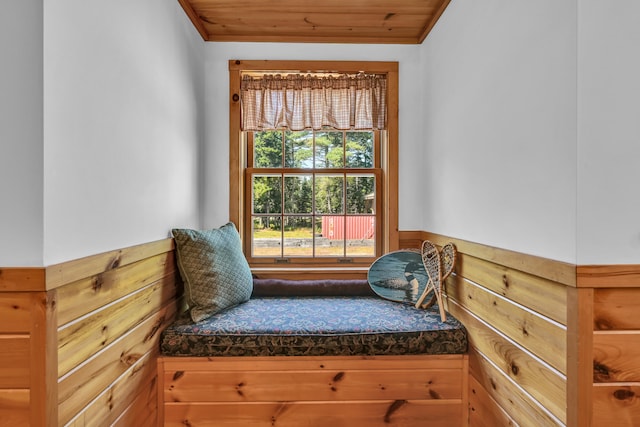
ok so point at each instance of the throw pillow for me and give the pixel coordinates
(215, 272)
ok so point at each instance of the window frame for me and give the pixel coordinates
(284, 171)
(388, 238)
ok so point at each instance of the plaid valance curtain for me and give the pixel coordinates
(298, 101)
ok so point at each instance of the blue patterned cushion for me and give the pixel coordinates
(214, 270)
(310, 326)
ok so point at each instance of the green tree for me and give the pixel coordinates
(267, 147)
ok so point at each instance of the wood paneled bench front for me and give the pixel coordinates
(314, 360)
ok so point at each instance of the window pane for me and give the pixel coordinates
(329, 239)
(298, 194)
(329, 194)
(267, 236)
(361, 194)
(361, 232)
(267, 149)
(359, 149)
(298, 236)
(298, 149)
(267, 193)
(329, 151)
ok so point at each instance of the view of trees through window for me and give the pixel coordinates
(313, 193)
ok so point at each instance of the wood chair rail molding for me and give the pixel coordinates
(22, 279)
(608, 276)
(553, 270)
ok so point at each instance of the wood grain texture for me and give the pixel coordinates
(24, 279)
(122, 297)
(616, 309)
(536, 293)
(142, 409)
(409, 413)
(608, 276)
(77, 389)
(78, 269)
(579, 357)
(553, 270)
(541, 337)
(520, 406)
(375, 390)
(546, 385)
(616, 356)
(14, 407)
(616, 405)
(515, 309)
(82, 339)
(90, 293)
(336, 363)
(292, 385)
(483, 410)
(15, 312)
(14, 361)
(330, 21)
(126, 398)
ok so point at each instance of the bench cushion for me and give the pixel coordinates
(310, 326)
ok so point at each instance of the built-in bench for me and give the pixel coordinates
(314, 353)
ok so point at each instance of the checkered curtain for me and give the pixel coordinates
(297, 102)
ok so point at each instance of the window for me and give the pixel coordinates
(313, 194)
(323, 197)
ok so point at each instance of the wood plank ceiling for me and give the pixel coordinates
(321, 21)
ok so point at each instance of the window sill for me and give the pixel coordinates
(309, 273)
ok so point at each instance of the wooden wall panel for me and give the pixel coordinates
(546, 385)
(71, 271)
(91, 293)
(14, 407)
(616, 309)
(221, 386)
(294, 414)
(543, 296)
(616, 356)
(125, 398)
(15, 312)
(142, 410)
(14, 361)
(25, 311)
(616, 405)
(111, 308)
(79, 340)
(514, 307)
(614, 326)
(513, 400)
(545, 339)
(29, 279)
(483, 410)
(77, 389)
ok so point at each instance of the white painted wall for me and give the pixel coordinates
(123, 124)
(520, 134)
(500, 125)
(216, 209)
(21, 179)
(609, 132)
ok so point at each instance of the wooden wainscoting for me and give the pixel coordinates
(79, 340)
(514, 307)
(406, 390)
(609, 356)
(110, 309)
(27, 361)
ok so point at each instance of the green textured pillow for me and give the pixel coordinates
(215, 272)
